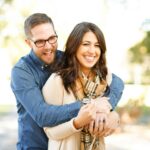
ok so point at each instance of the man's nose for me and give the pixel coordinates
(48, 45)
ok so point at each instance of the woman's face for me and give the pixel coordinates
(88, 52)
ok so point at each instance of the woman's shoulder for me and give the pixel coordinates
(54, 81)
(54, 77)
(109, 77)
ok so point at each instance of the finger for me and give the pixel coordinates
(101, 126)
(108, 130)
(96, 126)
(91, 127)
(102, 133)
(105, 121)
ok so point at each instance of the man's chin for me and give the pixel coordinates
(48, 62)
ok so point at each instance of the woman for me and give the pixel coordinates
(82, 73)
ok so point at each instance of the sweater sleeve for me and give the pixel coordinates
(61, 131)
(54, 90)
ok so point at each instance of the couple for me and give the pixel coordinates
(72, 107)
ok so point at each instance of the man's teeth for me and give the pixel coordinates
(49, 52)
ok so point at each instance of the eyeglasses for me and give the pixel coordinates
(41, 43)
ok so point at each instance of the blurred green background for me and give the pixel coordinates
(126, 26)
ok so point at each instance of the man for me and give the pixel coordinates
(28, 77)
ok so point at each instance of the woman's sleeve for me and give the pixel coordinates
(53, 92)
(61, 131)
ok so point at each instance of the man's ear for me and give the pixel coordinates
(28, 42)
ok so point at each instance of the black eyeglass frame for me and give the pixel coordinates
(41, 43)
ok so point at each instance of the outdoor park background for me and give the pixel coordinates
(126, 26)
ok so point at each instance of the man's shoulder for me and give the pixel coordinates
(59, 51)
(59, 54)
(19, 70)
(21, 63)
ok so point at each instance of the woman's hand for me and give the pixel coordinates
(97, 126)
(104, 124)
(86, 114)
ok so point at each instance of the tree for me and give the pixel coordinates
(139, 54)
(140, 50)
(12, 34)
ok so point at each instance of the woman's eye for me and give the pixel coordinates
(97, 45)
(85, 44)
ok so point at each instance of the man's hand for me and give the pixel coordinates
(112, 123)
(102, 104)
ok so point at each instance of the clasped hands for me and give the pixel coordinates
(96, 116)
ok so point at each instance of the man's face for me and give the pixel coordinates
(44, 50)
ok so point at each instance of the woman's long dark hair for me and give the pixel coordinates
(68, 67)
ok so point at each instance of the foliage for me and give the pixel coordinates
(136, 111)
(8, 1)
(140, 50)
(139, 55)
(12, 34)
(5, 2)
(3, 24)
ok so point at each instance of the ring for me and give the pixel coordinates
(104, 120)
